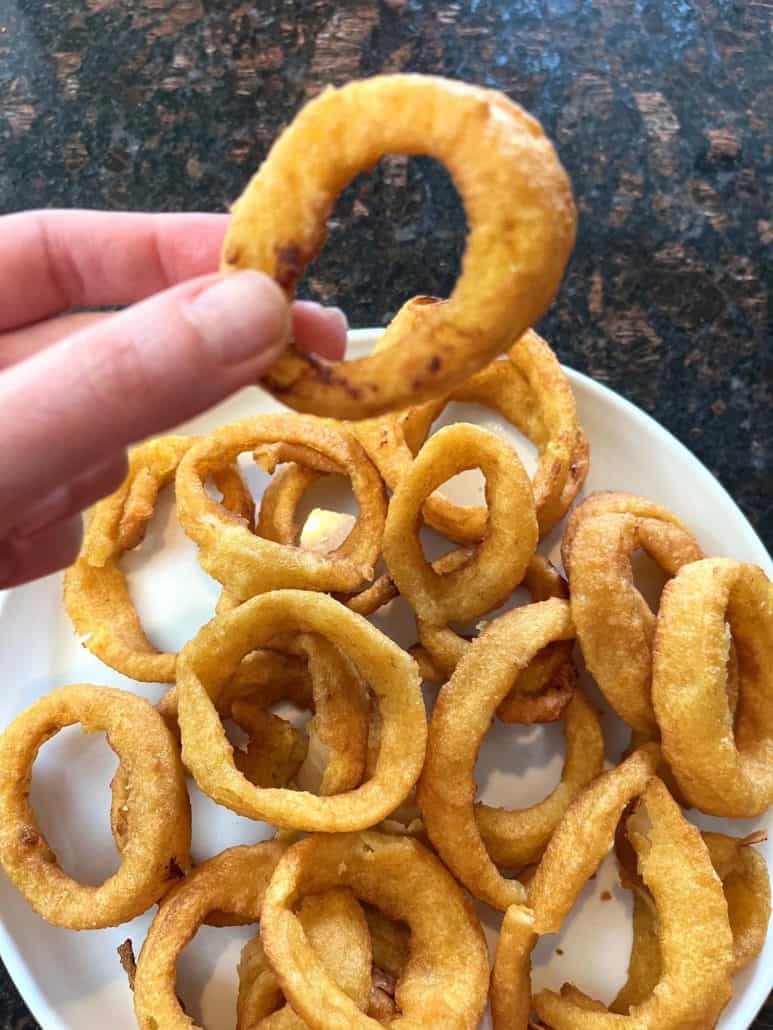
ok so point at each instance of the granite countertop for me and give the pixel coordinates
(662, 112)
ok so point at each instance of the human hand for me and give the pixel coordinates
(76, 389)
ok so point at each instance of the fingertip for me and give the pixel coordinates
(319, 330)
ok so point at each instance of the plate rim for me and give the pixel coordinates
(755, 994)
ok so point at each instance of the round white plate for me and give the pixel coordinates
(74, 980)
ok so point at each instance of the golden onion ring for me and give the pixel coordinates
(519, 209)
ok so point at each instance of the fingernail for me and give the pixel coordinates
(337, 319)
(240, 316)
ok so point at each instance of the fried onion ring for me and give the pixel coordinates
(445, 981)
(531, 391)
(461, 717)
(693, 926)
(335, 927)
(207, 663)
(544, 688)
(615, 626)
(232, 884)
(722, 768)
(248, 564)
(96, 594)
(515, 255)
(500, 560)
(746, 885)
(155, 848)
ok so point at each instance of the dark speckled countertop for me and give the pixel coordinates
(662, 112)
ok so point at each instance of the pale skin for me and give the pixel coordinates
(77, 389)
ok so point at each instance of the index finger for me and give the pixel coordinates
(53, 261)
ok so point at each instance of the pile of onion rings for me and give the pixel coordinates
(292, 708)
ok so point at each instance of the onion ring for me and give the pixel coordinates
(486, 579)
(231, 884)
(543, 689)
(615, 626)
(445, 980)
(721, 769)
(211, 658)
(531, 391)
(156, 847)
(694, 930)
(335, 927)
(746, 886)
(96, 594)
(515, 255)
(246, 563)
(461, 717)
(277, 522)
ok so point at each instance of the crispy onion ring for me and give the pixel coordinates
(248, 564)
(207, 663)
(461, 717)
(531, 391)
(515, 255)
(277, 520)
(693, 926)
(615, 626)
(335, 927)
(96, 594)
(231, 885)
(155, 851)
(502, 557)
(542, 690)
(445, 981)
(721, 768)
(745, 882)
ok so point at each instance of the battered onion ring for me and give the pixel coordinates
(694, 930)
(461, 717)
(277, 521)
(519, 209)
(721, 769)
(155, 851)
(445, 981)
(745, 882)
(615, 626)
(96, 594)
(233, 883)
(502, 557)
(211, 658)
(335, 926)
(529, 389)
(542, 690)
(246, 563)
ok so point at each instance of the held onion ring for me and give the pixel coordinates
(154, 850)
(461, 717)
(96, 594)
(530, 390)
(335, 926)
(721, 768)
(211, 658)
(542, 690)
(615, 626)
(500, 560)
(445, 980)
(233, 884)
(246, 563)
(519, 209)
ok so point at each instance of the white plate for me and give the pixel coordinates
(74, 980)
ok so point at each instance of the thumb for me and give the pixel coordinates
(136, 373)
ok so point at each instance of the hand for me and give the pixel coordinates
(76, 389)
